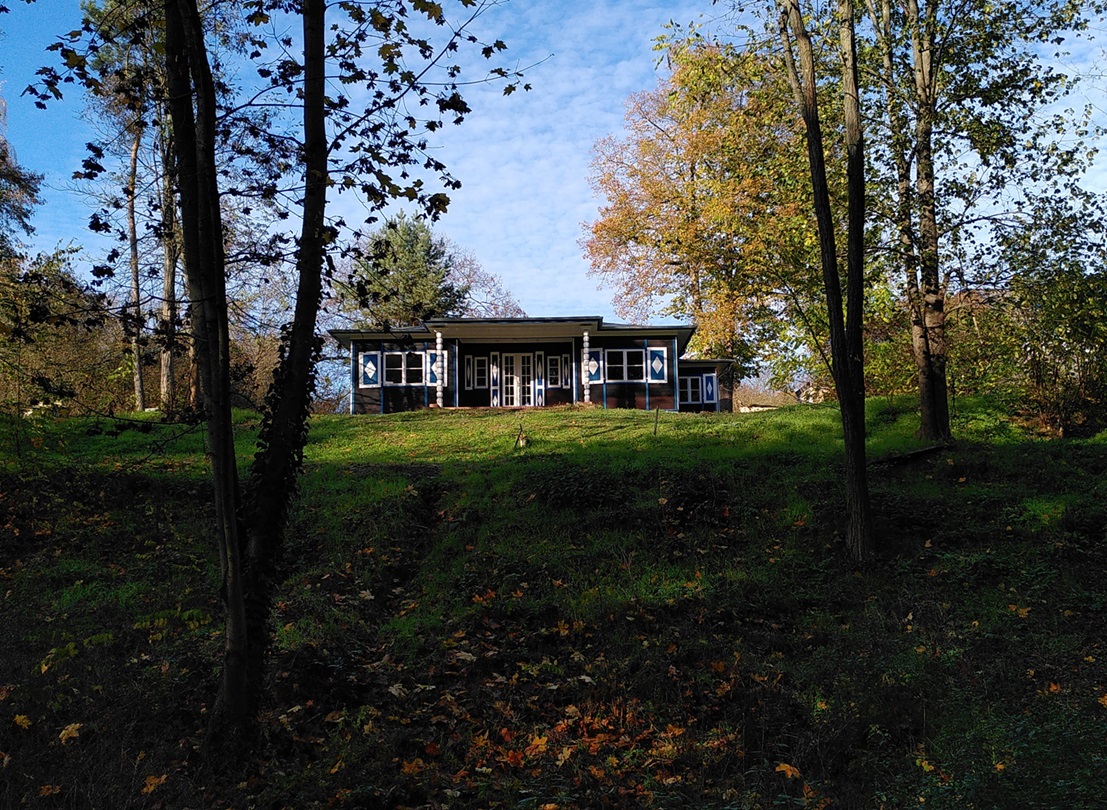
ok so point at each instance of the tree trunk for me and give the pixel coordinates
(136, 289)
(845, 338)
(190, 77)
(928, 331)
(171, 257)
(859, 533)
(277, 464)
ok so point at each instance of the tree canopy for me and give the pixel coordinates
(708, 215)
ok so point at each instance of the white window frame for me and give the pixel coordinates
(553, 380)
(624, 365)
(480, 367)
(404, 355)
(686, 397)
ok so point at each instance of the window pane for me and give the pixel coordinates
(480, 372)
(636, 365)
(394, 368)
(616, 358)
(553, 371)
(414, 368)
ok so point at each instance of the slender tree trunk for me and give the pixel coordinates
(845, 338)
(277, 464)
(859, 533)
(201, 226)
(136, 289)
(171, 257)
(928, 316)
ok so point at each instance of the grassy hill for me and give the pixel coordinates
(567, 608)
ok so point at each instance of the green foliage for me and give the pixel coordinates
(58, 349)
(18, 196)
(404, 275)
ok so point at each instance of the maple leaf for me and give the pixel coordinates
(413, 768)
(789, 771)
(563, 757)
(70, 732)
(1102, 701)
(23, 721)
(49, 790)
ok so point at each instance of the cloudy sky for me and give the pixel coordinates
(523, 160)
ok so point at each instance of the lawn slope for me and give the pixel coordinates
(568, 608)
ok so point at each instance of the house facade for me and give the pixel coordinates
(528, 362)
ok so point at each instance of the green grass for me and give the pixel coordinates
(625, 610)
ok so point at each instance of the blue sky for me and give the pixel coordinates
(523, 160)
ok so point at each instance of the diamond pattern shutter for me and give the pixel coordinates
(369, 369)
(656, 365)
(595, 366)
(494, 380)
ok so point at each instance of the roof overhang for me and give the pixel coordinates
(516, 330)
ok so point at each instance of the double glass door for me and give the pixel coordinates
(518, 379)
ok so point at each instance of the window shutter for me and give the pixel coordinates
(539, 379)
(595, 366)
(657, 367)
(369, 369)
(494, 379)
(469, 373)
(709, 385)
(432, 372)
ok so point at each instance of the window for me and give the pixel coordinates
(480, 372)
(690, 391)
(626, 365)
(403, 368)
(553, 371)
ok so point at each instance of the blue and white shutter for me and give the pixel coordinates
(539, 379)
(656, 365)
(710, 392)
(494, 379)
(432, 372)
(595, 366)
(369, 369)
(469, 373)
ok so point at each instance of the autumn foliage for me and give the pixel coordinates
(708, 215)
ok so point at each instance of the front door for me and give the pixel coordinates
(518, 380)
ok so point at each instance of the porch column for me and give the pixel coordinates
(584, 370)
(439, 368)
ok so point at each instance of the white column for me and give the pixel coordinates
(584, 370)
(439, 368)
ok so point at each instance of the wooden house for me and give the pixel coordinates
(528, 362)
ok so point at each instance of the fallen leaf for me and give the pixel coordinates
(790, 771)
(70, 732)
(23, 721)
(152, 783)
(49, 790)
